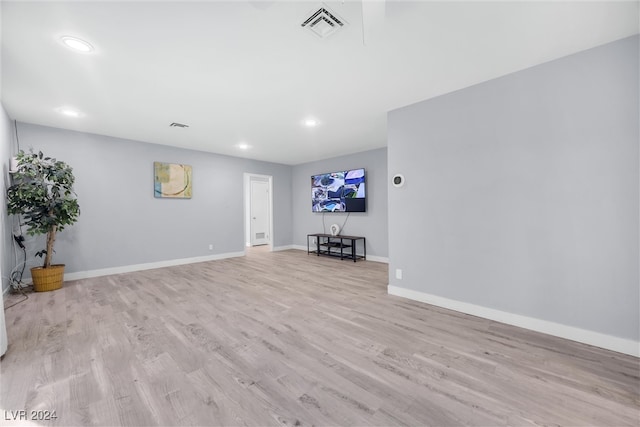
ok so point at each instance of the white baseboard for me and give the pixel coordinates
(148, 266)
(597, 339)
(282, 248)
(369, 257)
(375, 258)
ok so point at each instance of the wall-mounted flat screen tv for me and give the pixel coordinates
(342, 191)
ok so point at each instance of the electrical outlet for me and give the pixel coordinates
(210, 247)
(314, 241)
(398, 274)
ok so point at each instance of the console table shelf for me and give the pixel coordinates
(343, 247)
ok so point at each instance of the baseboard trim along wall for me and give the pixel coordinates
(373, 258)
(597, 339)
(282, 248)
(147, 266)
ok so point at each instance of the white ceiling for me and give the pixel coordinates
(245, 71)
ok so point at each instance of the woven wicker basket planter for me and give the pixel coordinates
(47, 279)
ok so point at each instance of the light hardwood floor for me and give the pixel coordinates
(290, 339)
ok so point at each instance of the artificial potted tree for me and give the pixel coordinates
(42, 193)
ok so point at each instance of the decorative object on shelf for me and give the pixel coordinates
(398, 180)
(42, 192)
(172, 180)
(335, 229)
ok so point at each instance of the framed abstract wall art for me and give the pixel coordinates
(172, 180)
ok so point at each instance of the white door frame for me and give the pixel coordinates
(247, 207)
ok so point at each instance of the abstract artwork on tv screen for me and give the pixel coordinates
(342, 191)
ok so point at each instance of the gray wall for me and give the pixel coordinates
(521, 192)
(122, 224)
(6, 151)
(371, 224)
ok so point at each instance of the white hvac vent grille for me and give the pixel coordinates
(323, 22)
(178, 125)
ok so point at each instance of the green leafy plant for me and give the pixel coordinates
(42, 192)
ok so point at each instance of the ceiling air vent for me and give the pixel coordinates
(178, 125)
(323, 22)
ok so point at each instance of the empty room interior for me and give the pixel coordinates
(338, 213)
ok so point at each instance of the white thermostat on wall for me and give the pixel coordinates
(397, 180)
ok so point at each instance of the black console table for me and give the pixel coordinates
(343, 247)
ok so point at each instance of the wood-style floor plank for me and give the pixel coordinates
(290, 339)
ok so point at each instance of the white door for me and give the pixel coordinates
(3, 329)
(259, 213)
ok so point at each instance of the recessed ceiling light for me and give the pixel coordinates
(243, 146)
(311, 123)
(69, 112)
(77, 44)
